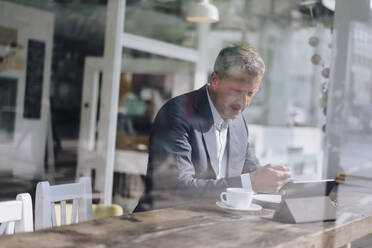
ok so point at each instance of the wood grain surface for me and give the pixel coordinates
(203, 224)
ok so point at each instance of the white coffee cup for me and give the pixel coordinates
(237, 197)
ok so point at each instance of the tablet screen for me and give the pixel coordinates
(295, 189)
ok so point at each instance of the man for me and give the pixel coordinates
(199, 140)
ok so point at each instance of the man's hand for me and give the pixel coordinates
(270, 178)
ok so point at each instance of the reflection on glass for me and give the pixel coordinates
(146, 83)
(8, 96)
(356, 139)
(160, 20)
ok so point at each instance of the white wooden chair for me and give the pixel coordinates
(46, 196)
(16, 216)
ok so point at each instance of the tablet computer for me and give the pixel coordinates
(308, 188)
(307, 201)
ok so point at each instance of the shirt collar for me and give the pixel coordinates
(218, 121)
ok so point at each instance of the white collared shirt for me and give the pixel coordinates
(221, 128)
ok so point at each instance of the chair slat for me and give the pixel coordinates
(74, 211)
(63, 212)
(10, 211)
(66, 192)
(10, 227)
(3, 227)
(54, 218)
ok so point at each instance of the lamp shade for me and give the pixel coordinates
(329, 4)
(203, 11)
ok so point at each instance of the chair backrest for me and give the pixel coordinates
(99, 211)
(16, 216)
(46, 196)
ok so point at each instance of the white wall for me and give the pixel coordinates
(25, 155)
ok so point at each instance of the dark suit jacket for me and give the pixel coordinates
(183, 149)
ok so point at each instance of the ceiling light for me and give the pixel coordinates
(329, 4)
(202, 11)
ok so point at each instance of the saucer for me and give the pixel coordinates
(252, 207)
(276, 199)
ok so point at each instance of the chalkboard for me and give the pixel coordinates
(34, 79)
(8, 96)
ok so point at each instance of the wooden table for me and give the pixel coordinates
(203, 224)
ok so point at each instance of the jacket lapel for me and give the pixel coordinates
(206, 125)
(237, 143)
(211, 146)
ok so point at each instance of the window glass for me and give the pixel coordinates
(161, 20)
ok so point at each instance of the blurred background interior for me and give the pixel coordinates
(59, 119)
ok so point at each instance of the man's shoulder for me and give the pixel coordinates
(182, 103)
(191, 95)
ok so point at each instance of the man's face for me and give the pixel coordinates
(231, 95)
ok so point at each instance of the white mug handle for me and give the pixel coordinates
(222, 195)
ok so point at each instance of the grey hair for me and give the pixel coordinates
(239, 58)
